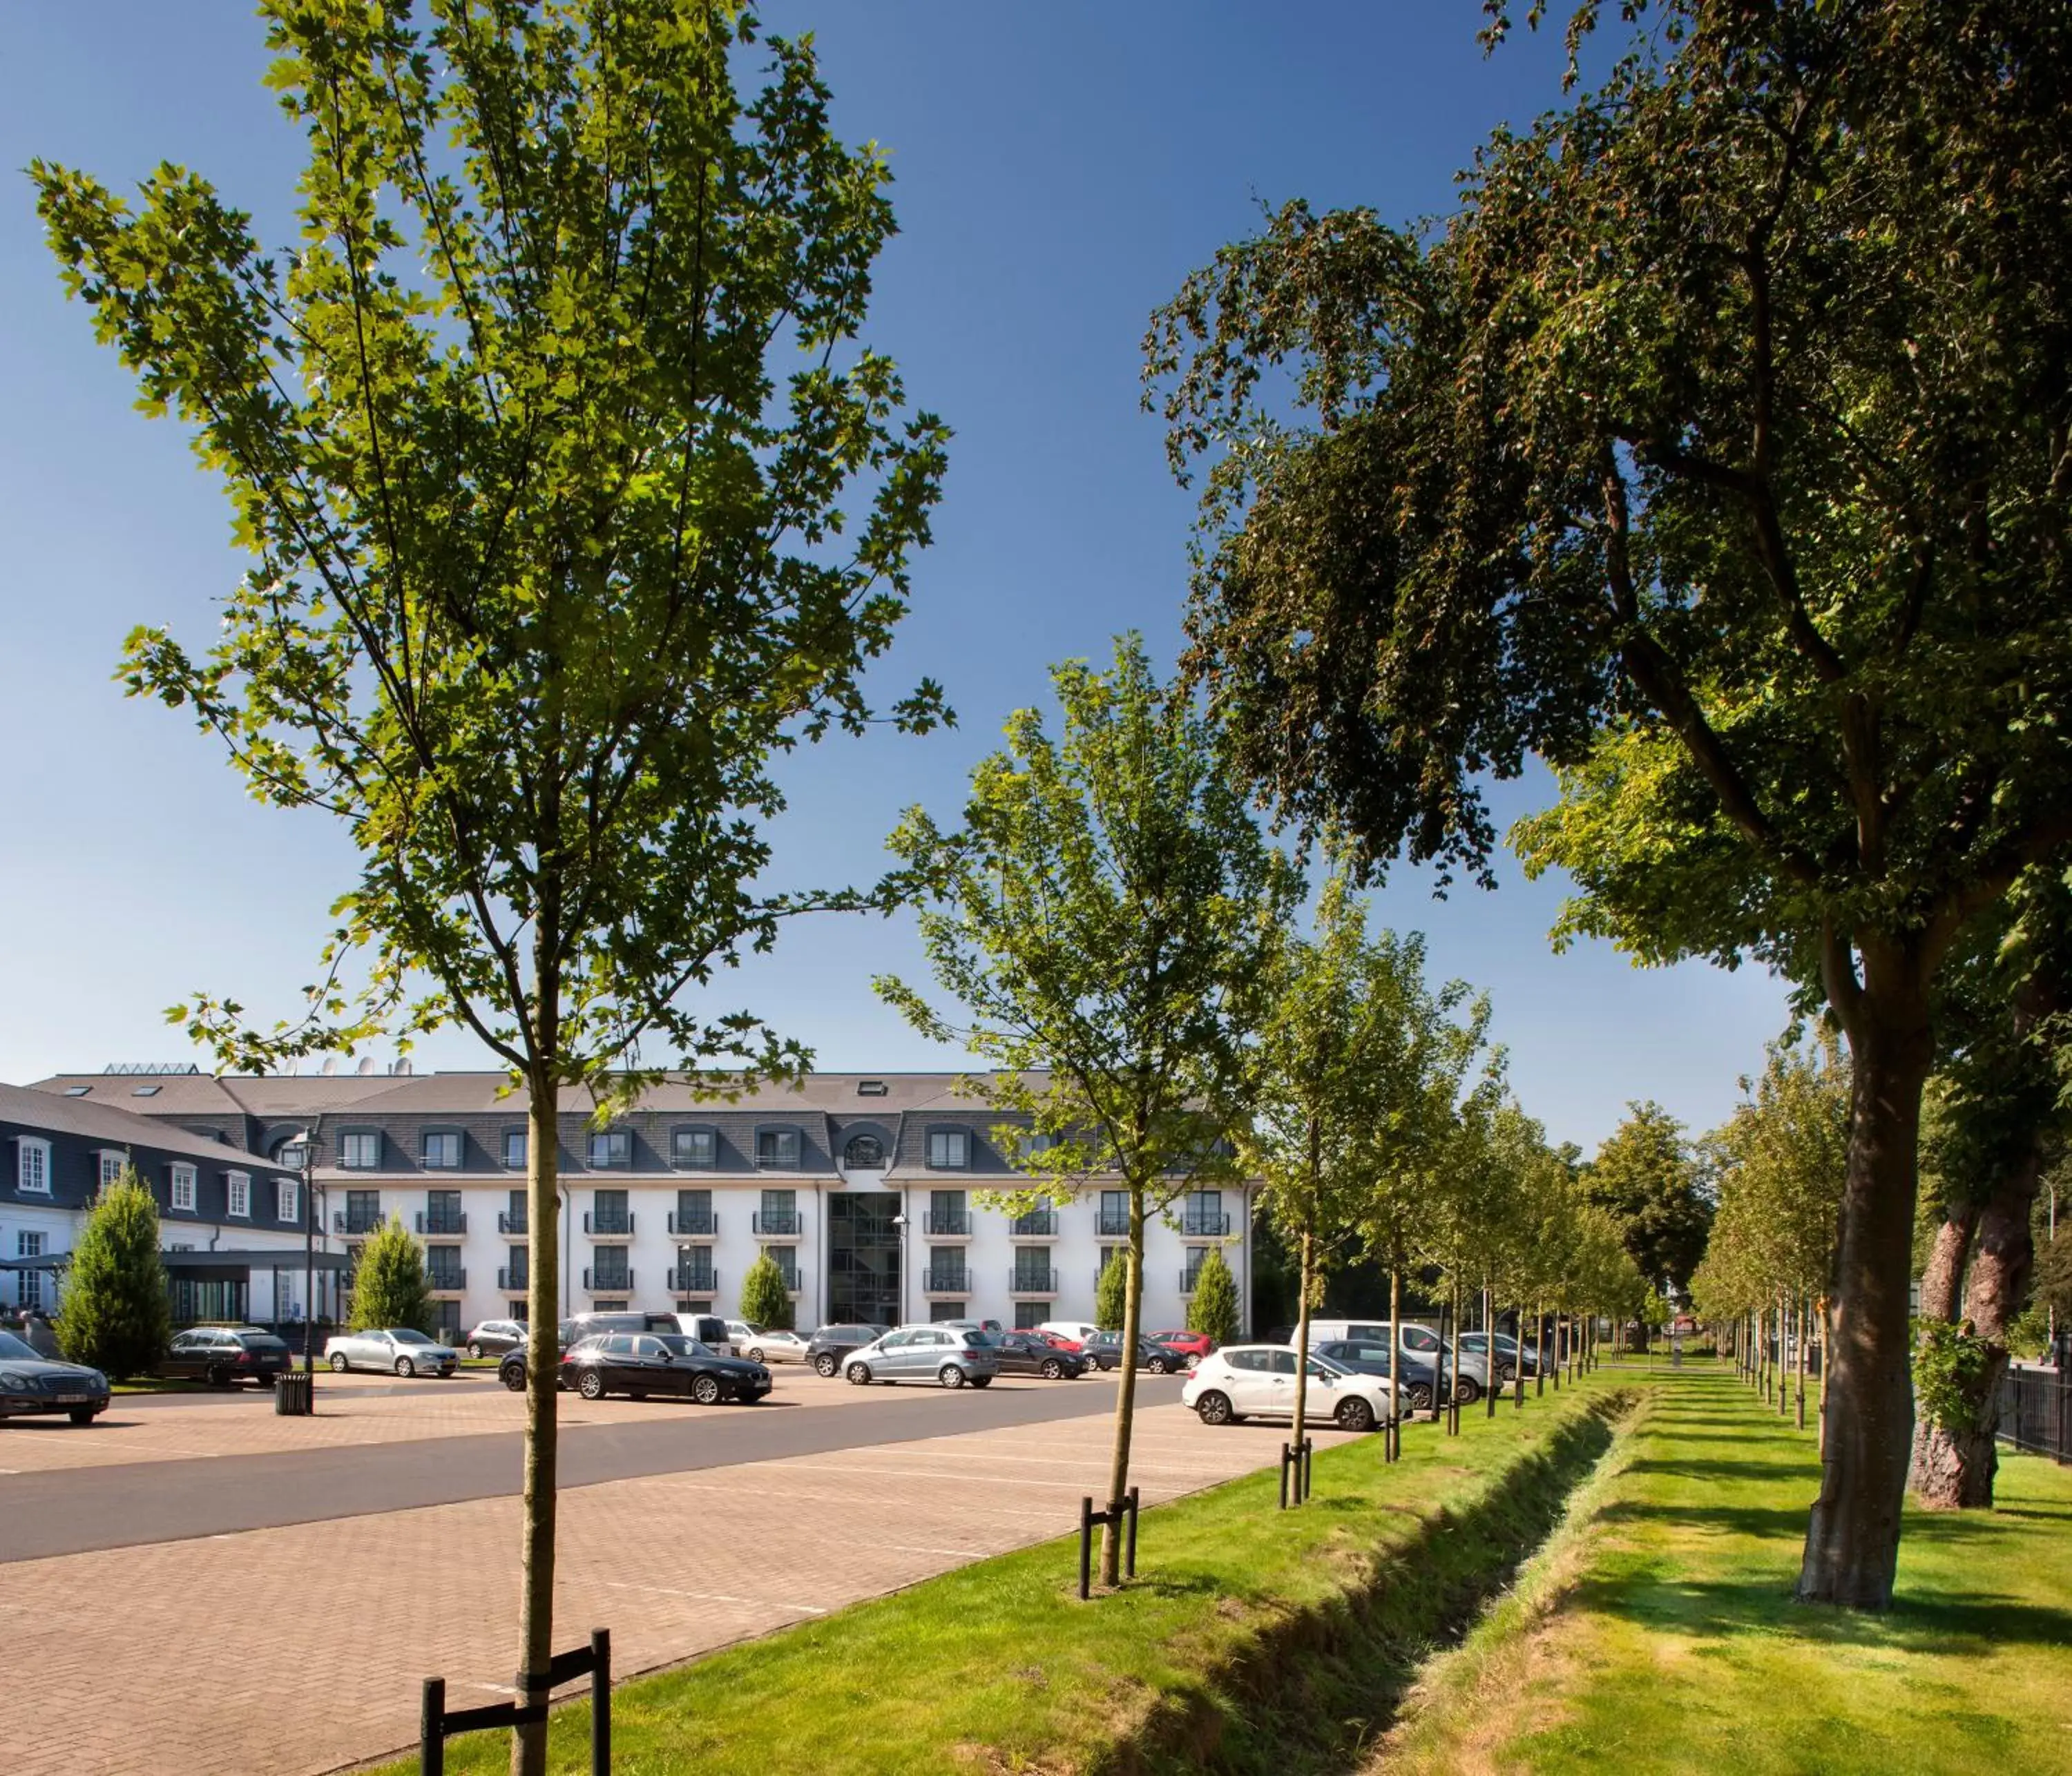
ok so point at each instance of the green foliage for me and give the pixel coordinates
(1112, 1291)
(1213, 1308)
(115, 1315)
(1645, 1177)
(1950, 1363)
(765, 1302)
(389, 1285)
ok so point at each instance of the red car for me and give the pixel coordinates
(1059, 1342)
(1197, 1344)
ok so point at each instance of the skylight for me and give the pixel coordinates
(870, 1088)
(77, 1091)
(144, 1092)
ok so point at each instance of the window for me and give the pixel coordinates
(442, 1213)
(144, 1092)
(946, 1270)
(779, 1217)
(183, 1189)
(694, 1213)
(1204, 1218)
(610, 1147)
(1114, 1215)
(777, 1147)
(870, 1088)
(1032, 1268)
(30, 1282)
(32, 1167)
(1029, 1315)
(294, 1152)
(514, 1149)
(786, 1258)
(443, 1151)
(239, 1186)
(694, 1147)
(514, 1218)
(442, 1267)
(609, 1268)
(947, 1214)
(446, 1322)
(363, 1212)
(360, 1152)
(1281, 1362)
(288, 1201)
(694, 1271)
(1250, 1360)
(609, 1213)
(77, 1091)
(109, 1170)
(947, 1310)
(864, 1154)
(513, 1275)
(949, 1149)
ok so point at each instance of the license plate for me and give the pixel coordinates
(71, 1399)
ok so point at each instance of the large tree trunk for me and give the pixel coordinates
(1125, 1393)
(542, 1362)
(1853, 1540)
(1308, 1271)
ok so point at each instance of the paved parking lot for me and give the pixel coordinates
(675, 1564)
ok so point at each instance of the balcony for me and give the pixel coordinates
(699, 1224)
(1032, 1282)
(1200, 1225)
(513, 1282)
(355, 1221)
(693, 1279)
(513, 1221)
(776, 1223)
(946, 1281)
(949, 1223)
(1113, 1226)
(449, 1222)
(608, 1224)
(607, 1282)
(446, 1282)
(1039, 1224)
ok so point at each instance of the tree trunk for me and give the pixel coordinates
(1125, 1393)
(1820, 1308)
(1307, 1270)
(1453, 1402)
(1783, 1344)
(1489, 1336)
(1518, 1369)
(1798, 1320)
(1540, 1343)
(1395, 1445)
(1852, 1539)
(542, 1362)
(1954, 1469)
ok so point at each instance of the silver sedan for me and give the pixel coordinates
(773, 1347)
(401, 1348)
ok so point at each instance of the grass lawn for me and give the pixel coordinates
(1656, 1632)
(997, 1667)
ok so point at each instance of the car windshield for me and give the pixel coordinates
(678, 1346)
(405, 1334)
(12, 1346)
(1323, 1366)
(972, 1335)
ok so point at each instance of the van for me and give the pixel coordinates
(715, 1334)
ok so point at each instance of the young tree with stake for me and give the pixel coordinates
(570, 500)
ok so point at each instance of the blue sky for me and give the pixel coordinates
(1059, 169)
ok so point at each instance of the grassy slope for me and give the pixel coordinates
(997, 1667)
(1656, 1632)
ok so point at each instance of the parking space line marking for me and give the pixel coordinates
(718, 1597)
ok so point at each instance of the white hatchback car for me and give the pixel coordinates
(1258, 1381)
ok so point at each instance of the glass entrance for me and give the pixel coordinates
(863, 1258)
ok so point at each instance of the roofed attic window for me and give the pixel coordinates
(870, 1088)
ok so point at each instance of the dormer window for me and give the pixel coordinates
(695, 1148)
(443, 1151)
(360, 1152)
(611, 1149)
(864, 1154)
(32, 1167)
(777, 1149)
(949, 1149)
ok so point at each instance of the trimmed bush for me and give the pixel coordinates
(1112, 1291)
(765, 1302)
(115, 1314)
(389, 1288)
(1213, 1310)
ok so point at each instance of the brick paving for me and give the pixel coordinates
(660, 1560)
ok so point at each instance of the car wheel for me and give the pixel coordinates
(704, 1390)
(1355, 1415)
(1215, 1408)
(1419, 1395)
(1471, 1390)
(217, 1378)
(755, 1353)
(949, 1375)
(1158, 1366)
(338, 1365)
(514, 1378)
(405, 1368)
(1053, 1369)
(825, 1365)
(81, 1415)
(591, 1387)
(981, 1381)
(859, 1374)
(474, 1348)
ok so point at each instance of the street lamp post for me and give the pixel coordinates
(306, 1141)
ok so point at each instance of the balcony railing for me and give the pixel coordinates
(777, 1224)
(446, 1280)
(441, 1221)
(1199, 1224)
(512, 1221)
(608, 1224)
(950, 1223)
(355, 1221)
(1113, 1226)
(1037, 1224)
(946, 1282)
(1032, 1282)
(513, 1281)
(689, 1279)
(700, 1223)
(607, 1282)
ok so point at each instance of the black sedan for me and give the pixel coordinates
(224, 1355)
(1105, 1351)
(1367, 1359)
(828, 1349)
(1025, 1354)
(641, 1363)
(30, 1384)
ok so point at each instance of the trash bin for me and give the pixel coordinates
(293, 1396)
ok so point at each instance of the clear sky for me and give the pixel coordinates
(1060, 168)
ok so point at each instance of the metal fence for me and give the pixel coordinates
(2036, 1411)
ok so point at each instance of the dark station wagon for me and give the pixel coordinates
(224, 1355)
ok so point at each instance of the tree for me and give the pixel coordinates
(1645, 1176)
(1213, 1311)
(1711, 450)
(1111, 1291)
(389, 1282)
(115, 1314)
(1105, 918)
(570, 500)
(765, 1301)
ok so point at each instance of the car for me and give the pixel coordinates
(1031, 1354)
(1105, 1348)
(829, 1347)
(33, 1383)
(224, 1355)
(493, 1337)
(1368, 1358)
(773, 1345)
(1078, 1331)
(1243, 1381)
(1193, 1344)
(641, 1363)
(952, 1356)
(1476, 1344)
(1418, 1341)
(403, 1349)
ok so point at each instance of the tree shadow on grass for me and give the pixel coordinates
(1707, 1470)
